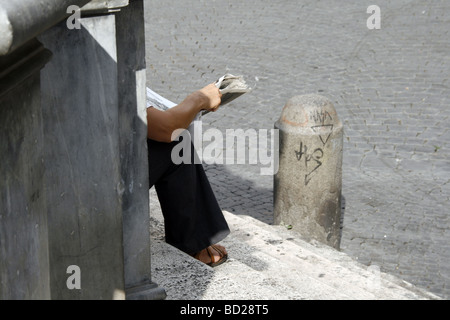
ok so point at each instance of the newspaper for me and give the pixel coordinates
(157, 101)
(230, 86)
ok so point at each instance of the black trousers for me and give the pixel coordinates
(193, 219)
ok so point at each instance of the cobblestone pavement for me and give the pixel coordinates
(390, 88)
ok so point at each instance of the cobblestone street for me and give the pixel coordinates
(390, 88)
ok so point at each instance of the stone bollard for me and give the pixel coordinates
(307, 187)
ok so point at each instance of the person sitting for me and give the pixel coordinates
(193, 220)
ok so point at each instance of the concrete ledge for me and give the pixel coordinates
(23, 20)
(103, 6)
(30, 58)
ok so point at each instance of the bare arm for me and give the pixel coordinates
(161, 124)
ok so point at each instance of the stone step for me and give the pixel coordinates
(270, 263)
(185, 278)
(336, 256)
(320, 262)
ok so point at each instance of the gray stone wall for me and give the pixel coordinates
(73, 179)
(23, 222)
(79, 98)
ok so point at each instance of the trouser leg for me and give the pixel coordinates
(192, 217)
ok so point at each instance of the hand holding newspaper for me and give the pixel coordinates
(230, 86)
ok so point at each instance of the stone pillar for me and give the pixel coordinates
(83, 181)
(134, 153)
(24, 272)
(308, 185)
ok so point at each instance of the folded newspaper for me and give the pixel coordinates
(230, 86)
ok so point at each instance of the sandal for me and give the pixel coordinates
(209, 251)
